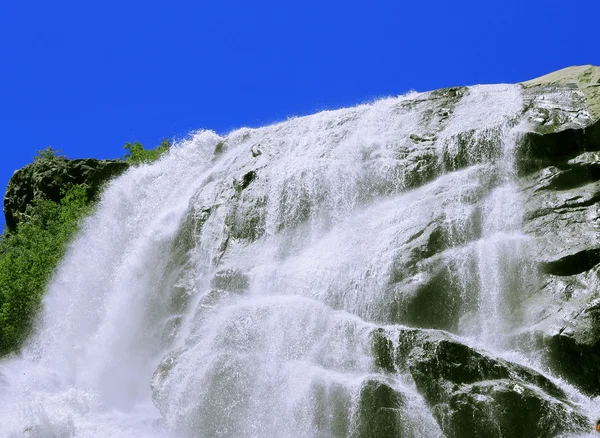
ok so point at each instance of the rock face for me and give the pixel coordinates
(562, 215)
(48, 177)
(585, 78)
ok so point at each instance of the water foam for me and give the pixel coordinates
(231, 289)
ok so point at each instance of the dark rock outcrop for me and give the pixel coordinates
(48, 178)
(472, 393)
(381, 412)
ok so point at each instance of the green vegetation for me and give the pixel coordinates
(136, 154)
(48, 154)
(30, 253)
(29, 256)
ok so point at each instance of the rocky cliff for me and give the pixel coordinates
(49, 178)
(562, 215)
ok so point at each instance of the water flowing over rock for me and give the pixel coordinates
(422, 266)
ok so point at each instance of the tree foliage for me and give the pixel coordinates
(136, 154)
(48, 153)
(30, 254)
(28, 258)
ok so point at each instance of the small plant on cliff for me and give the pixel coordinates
(28, 258)
(48, 153)
(136, 154)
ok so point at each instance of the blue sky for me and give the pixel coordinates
(86, 77)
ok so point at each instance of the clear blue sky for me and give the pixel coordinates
(86, 77)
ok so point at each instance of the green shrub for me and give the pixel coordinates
(136, 154)
(29, 256)
(48, 153)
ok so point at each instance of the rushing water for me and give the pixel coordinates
(250, 271)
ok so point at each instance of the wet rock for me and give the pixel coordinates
(246, 218)
(429, 299)
(541, 150)
(220, 147)
(255, 151)
(380, 412)
(383, 351)
(330, 413)
(574, 263)
(472, 393)
(245, 181)
(230, 280)
(585, 77)
(503, 408)
(559, 312)
(577, 360)
(559, 167)
(564, 108)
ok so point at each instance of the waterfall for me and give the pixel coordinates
(232, 288)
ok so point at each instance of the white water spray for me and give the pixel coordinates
(234, 293)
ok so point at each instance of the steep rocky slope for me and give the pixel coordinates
(562, 215)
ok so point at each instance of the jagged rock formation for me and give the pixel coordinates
(472, 393)
(562, 214)
(49, 177)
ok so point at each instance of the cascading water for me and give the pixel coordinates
(232, 289)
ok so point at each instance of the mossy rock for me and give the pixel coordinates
(49, 178)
